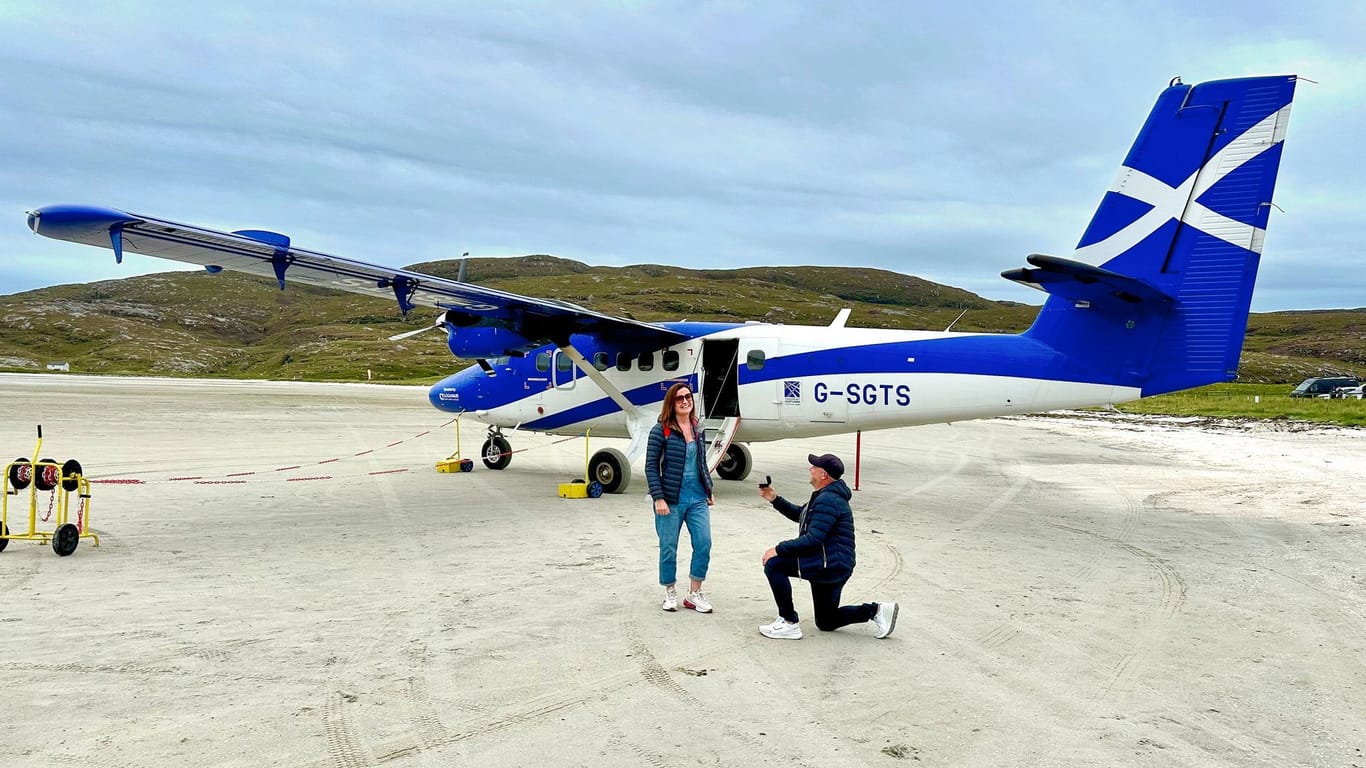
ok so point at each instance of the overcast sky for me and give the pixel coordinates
(934, 139)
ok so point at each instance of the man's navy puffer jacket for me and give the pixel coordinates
(824, 546)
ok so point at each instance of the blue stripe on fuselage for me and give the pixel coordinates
(604, 406)
(984, 355)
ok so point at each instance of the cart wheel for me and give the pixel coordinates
(594, 490)
(70, 468)
(467, 465)
(20, 473)
(4, 542)
(65, 539)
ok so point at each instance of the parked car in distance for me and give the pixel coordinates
(1323, 386)
(1350, 393)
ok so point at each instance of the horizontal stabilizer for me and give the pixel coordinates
(1082, 282)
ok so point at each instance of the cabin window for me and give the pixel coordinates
(543, 361)
(754, 360)
(499, 362)
(623, 361)
(564, 363)
(647, 361)
(602, 361)
(670, 360)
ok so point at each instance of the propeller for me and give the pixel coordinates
(439, 323)
(464, 257)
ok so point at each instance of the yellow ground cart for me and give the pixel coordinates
(59, 482)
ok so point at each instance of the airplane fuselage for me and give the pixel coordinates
(785, 381)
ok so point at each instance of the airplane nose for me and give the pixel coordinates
(450, 394)
(460, 392)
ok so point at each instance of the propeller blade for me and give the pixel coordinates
(410, 334)
(439, 322)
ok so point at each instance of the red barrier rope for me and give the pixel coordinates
(201, 480)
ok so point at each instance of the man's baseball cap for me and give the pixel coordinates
(828, 462)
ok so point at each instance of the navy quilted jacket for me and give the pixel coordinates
(665, 455)
(824, 546)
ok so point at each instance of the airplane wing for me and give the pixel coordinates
(270, 254)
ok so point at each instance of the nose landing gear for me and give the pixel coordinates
(497, 451)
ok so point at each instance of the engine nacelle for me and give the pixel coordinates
(487, 341)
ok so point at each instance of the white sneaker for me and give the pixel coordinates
(670, 599)
(884, 621)
(781, 629)
(697, 601)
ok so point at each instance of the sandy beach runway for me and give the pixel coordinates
(1075, 590)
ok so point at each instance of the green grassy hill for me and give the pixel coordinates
(235, 326)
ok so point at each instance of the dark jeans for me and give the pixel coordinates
(830, 615)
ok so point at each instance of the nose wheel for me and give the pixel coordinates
(497, 451)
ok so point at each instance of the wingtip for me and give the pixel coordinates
(66, 222)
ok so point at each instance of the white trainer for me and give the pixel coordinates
(781, 629)
(884, 621)
(670, 599)
(697, 601)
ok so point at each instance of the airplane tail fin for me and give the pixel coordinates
(1156, 295)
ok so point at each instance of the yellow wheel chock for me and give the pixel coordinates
(454, 463)
(584, 488)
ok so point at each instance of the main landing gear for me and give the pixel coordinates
(610, 468)
(736, 464)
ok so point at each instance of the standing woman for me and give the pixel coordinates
(676, 468)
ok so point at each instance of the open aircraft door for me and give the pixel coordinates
(720, 437)
(716, 379)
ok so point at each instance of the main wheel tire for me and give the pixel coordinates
(735, 465)
(497, 452)
(65, 539)
(610, 468)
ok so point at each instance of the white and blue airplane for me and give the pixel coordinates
(1154, 299)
